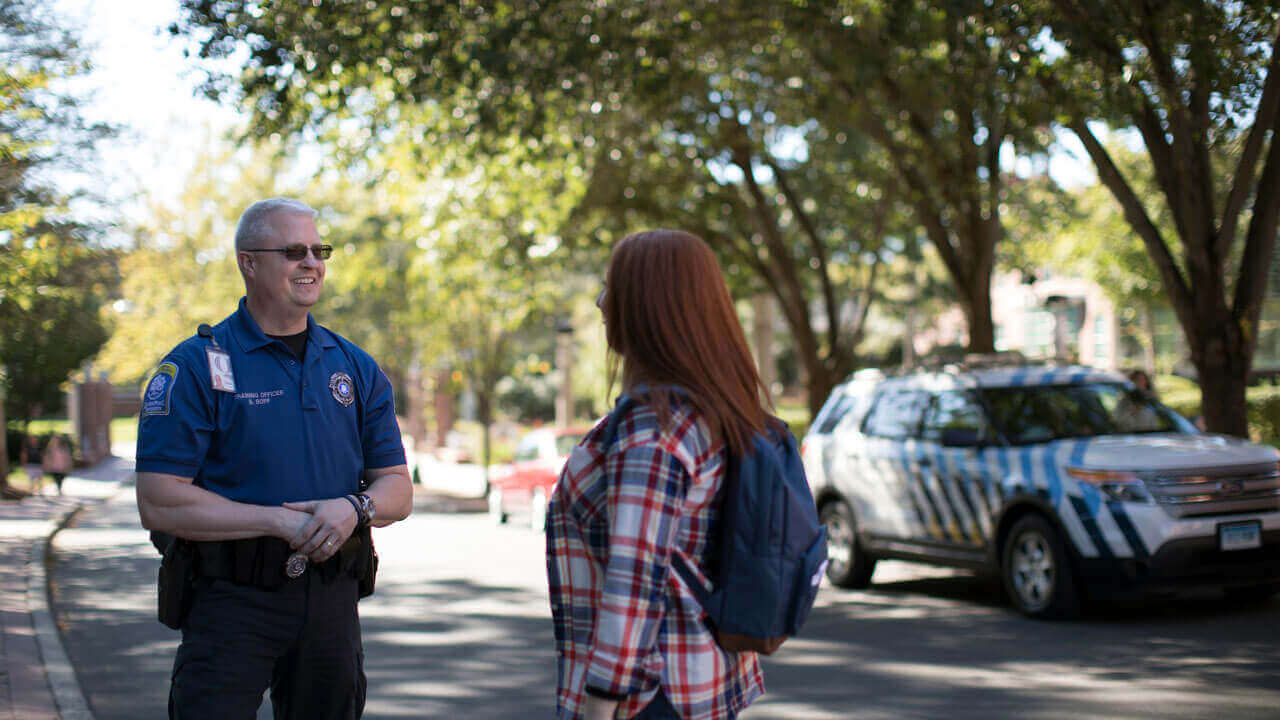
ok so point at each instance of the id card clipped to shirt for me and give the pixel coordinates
(220, 374)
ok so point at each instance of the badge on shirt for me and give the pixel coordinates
(220, 370)
(155, 399)
(342, 389)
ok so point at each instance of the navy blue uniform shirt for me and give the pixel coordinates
(288, 432)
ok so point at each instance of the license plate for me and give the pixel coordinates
(1241, 536)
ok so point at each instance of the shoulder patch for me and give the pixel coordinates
(155, 399)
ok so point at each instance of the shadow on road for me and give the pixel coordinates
(443, 648)
(952, 647)
(460, 627)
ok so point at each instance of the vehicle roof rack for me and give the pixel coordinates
(1003, 358)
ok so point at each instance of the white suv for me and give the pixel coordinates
(1062, 479)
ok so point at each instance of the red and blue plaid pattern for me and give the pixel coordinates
(625, 624)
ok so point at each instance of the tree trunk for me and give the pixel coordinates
(484, 409)
(1222, 390)
(762, 339)
(4, 455)
(975, 297)
(819, 383)
(1148, 339)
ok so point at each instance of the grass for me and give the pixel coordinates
(123, 429)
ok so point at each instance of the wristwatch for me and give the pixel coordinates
(367, 509)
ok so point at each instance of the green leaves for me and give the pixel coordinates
(54, 274)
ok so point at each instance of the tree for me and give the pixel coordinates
(936, 87)
(706, 137)
(487, 278)
(1197, 80)
(54, 274)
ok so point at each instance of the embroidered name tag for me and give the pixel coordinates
(259, 398)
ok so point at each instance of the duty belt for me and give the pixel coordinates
(269, 562)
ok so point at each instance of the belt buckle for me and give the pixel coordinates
(295, 566)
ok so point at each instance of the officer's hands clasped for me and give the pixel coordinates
(332, 522)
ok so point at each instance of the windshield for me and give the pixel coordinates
(1038, 414)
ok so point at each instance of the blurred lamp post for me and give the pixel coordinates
(564, 363)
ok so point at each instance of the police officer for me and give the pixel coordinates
(271, 443)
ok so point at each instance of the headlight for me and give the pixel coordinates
(1116, 485)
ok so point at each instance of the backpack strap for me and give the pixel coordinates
(691, 579)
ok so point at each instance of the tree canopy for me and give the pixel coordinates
(54, 273)
(1197, 80)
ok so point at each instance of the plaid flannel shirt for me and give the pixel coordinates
(625, 623)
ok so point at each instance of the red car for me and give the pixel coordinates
(524, 485)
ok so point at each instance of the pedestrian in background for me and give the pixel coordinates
(1142, 381)
(31, 458)
(630, 638)
(57, 460)
(272, 443)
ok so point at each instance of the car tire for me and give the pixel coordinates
(1037, 571)
(538, 510)
(848, 564)
(496, 513)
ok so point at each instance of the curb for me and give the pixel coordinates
(58, 671)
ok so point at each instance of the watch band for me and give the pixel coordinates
(366, 503)
(360, 517)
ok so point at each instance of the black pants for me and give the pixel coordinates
(302, 640)
(659, 708)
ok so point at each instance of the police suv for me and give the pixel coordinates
(1065, 480)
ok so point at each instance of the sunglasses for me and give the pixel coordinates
(294, 253)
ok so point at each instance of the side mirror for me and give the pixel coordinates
(961, 437)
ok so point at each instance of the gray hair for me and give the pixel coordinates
(255, 224)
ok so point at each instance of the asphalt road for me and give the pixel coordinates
(459, 627)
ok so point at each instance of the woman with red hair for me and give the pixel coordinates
(630, 638)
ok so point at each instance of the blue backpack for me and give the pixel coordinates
(769, 550)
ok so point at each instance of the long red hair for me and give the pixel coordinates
(669, 317)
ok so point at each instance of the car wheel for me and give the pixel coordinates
(496, 513)
(848, 565)
(1037, 572)
(538, 510)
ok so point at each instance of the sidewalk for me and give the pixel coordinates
(36, 679)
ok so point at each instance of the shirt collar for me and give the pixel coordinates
(250, 336)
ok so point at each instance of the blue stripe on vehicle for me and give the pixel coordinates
(985, 475)
(1002, 457)
(938, 526)
(947, 483)
(1050, 462)
(1090, 524)
(1027, 475)
(956, 530)
(1088, 493)
(908, 485)
(1126, 526)
(1078, 378)
(1018, 378)
(977, 536)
